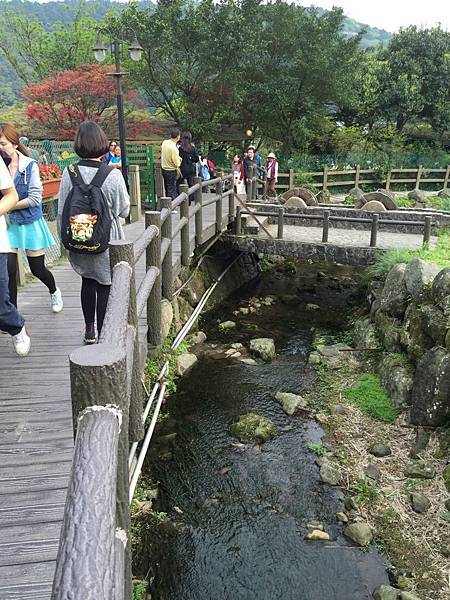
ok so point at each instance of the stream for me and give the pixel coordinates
(241, 510)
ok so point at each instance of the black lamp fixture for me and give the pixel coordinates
(100, 53)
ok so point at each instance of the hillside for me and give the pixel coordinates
(49, 13)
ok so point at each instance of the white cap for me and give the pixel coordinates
(271, 155)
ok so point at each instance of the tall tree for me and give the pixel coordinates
(300, 72)
(36, 52)
(194, 57)
(415, 85)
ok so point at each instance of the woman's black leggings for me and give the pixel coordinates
(94, 297)
(38, 269)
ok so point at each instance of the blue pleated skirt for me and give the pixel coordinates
(34, 236)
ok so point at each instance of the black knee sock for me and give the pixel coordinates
(39, 270)
(102, 301)
(12, 275)
(88, 299)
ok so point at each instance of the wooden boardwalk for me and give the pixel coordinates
(36, 435)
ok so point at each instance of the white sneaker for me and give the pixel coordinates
(57, 301)
(22, 342)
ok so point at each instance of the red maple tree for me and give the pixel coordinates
(61, 102)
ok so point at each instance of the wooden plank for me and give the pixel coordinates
(36, 437)
(32, 514)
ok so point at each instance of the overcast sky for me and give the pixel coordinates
(392, 14)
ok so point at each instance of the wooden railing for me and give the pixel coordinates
(94, 559)
(279, 214)
(330, 178)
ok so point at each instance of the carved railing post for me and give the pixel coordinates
(98, 376)
(198, 199)
(326, 226)
(427, 231)
(166, 267)
(85, 565)
(280, 222)
(231, 201)
(135, 192)
(219, 193)
(238, 222)
(153, 259)
(374, 230)
(123, 251)
(184, 213)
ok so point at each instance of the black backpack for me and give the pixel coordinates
(86, 218)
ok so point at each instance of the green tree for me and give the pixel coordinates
(301, 70)
(415, 85)
(193, 58)
(35, 52)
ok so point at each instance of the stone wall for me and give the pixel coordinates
(195, 282)
(357, 256)
(409, 321)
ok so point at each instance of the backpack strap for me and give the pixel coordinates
(77, 180)
(102, 173)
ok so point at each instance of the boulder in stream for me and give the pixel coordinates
(386, 592)
(227, 325)
(184, 362)
(291, 403)
(360, 533)
(253, 428)
(263, 348)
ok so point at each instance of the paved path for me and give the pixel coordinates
(36, 435)
(349, 237)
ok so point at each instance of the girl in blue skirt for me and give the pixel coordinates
(27, 228)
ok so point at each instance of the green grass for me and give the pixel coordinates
(440, 255)
(139, 588)
(369, 396)
(404, 202)
(318, 449)
(155, 363)
(365, 490)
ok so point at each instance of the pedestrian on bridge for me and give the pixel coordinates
(170, 163)
(271, 169)
(10, 320)
(91, 144)
(27, 229)
(189, 160)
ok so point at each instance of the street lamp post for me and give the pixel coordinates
(100, 52)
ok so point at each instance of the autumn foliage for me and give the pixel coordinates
(61, 102)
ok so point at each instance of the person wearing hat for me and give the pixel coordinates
(271, 169)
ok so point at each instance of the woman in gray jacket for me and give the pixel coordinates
(91, 144)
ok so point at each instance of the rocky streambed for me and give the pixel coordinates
(250, 502)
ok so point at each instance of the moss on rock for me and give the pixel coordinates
(253, 428)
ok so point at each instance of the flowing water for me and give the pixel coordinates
(241, 511)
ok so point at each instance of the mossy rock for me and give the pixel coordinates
(397, 376)
(389, 330)
(253, 428)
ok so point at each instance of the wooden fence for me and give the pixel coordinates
(279, 214)
(94, 559)
(330, 178)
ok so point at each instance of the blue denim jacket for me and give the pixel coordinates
(28, 185)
